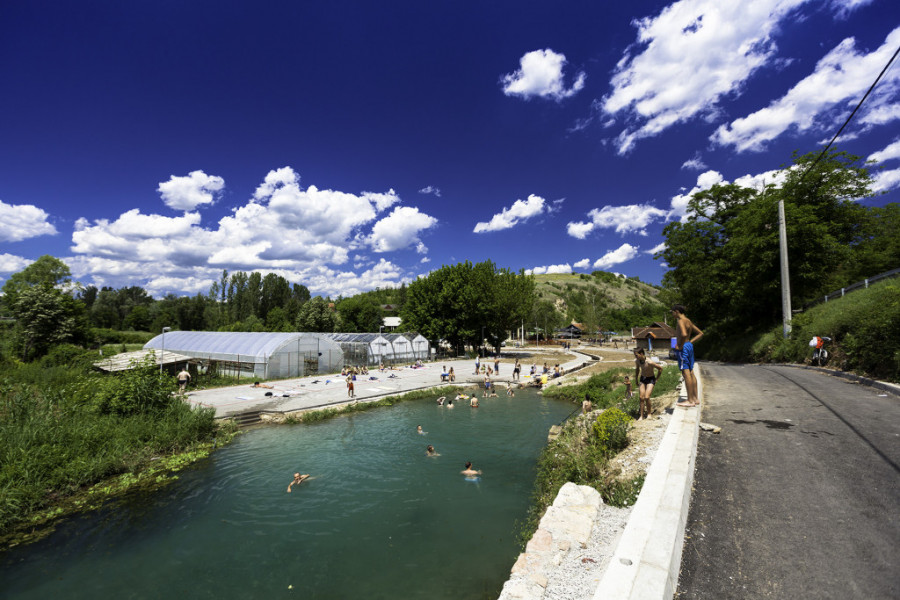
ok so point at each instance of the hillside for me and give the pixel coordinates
(608, 290)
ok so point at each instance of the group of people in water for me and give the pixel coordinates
(469, 472)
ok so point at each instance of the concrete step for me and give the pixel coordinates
(246, 419)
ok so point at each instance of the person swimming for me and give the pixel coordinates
(298, 479)
(469, 471)
(440, 401)
(420, 431)
(429, 451)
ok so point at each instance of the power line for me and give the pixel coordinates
(872, 87)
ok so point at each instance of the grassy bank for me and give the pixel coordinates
(864, 326)
(65, 429)
(582, 452)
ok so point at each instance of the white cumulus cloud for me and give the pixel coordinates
(541, 74)
(550, 269)
(839, 81)
(401, 229)
(623, 253)
(584, 263)
(687, 58)
(657, 248)
(632, 218)
(187, 193)
(10, 263)
(23, 221)
(521, 210)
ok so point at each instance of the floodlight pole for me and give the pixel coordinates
(785, 275)
(162, 355)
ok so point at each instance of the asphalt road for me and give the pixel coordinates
(799, 495)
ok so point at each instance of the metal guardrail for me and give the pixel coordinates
(856, 286)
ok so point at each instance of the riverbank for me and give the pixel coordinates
(157, 472)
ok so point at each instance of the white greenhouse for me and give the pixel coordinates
(362, 348)
(252, 354)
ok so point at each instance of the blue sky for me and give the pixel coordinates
(352, 145)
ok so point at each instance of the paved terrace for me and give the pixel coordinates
(289, 395)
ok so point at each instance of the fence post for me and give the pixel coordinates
(842, 292)
(867, 284)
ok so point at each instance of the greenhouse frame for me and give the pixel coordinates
(255, 354)
(363, 348)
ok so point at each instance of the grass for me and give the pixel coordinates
(577, 456)
(864, 327)
(56, 440)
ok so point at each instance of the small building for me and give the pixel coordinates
(169, 361)
(658, 336)
(574, 330)
(421, 347)
(255, 354)
(391, 323)
(401, 348)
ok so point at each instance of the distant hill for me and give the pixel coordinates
(612, 291)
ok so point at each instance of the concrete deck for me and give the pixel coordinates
(290, 395)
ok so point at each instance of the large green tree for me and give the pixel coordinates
(458, 303)
(724, 258)
(46, 316)
(47, 270)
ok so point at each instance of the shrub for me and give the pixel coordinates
(611, 431)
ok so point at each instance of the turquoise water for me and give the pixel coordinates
(380, 519)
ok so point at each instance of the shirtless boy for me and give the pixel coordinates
(298, 479)
(684, 330)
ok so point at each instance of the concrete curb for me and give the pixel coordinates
(647, 560)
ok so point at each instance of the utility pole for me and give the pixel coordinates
(785, 275)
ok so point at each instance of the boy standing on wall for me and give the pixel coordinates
(684, 329)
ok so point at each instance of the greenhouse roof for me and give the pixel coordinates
(354, 337)
(238, 343)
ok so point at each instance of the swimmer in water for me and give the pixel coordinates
(450, 403)
(420, 431)
(440, 401)
(298, 479)
(429, 451)
(469, 471)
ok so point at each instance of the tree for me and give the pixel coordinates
(724, 257)
(359, 314)
(458, 303)
(46, 316)
(316, 315)
(47, 270)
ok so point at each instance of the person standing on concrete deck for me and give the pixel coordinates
(350, 393)
(684, 329)
(517, 368)
(496, 365)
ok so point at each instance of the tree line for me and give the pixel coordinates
(724, 258)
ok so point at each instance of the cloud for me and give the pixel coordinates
(886, 180)
(549, 270)
(431, 190)
(282, 228)
(822, 99)
(890, 152)
(632, 218)
(9, 263)
(187, 193)
(696, 163)
(541, 75)
(584, 263)
(400, 230)
(521, 210)
(707, 179)
(23, 221)
(623, 253)
(655, 249)
(687, 58)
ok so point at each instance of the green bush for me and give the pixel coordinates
(864, 327)
(611, 431)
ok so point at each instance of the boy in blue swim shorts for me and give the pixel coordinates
(687, 333)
